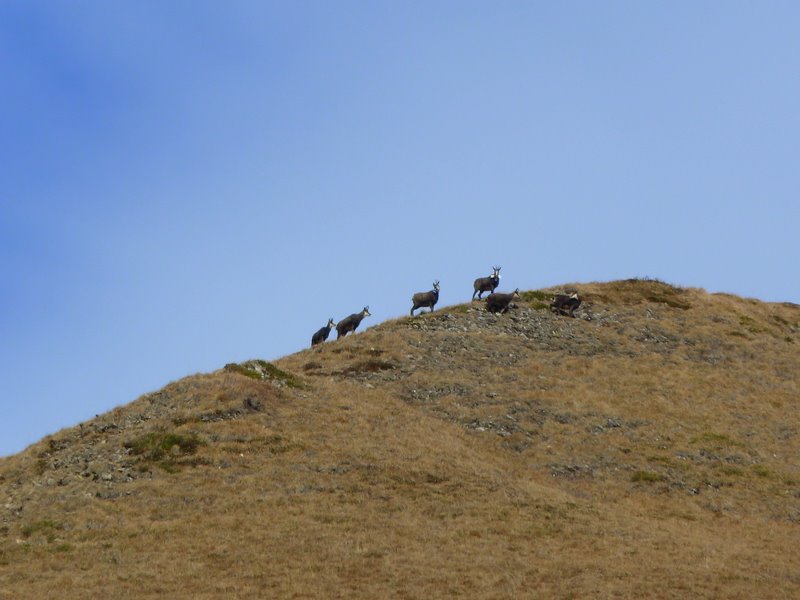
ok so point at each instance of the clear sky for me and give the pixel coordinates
(185, 184)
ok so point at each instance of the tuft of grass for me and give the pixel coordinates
(459, 309)
(729, 470)
(669, 301)
(762, 471)
(156, 446)
(664, 293)
(715, 440)
(242, 370)
(45, 527)
(535, 295)
(751, 325)
(648, 279)
(372, 365)
(264, 371)
(646, 477)
(537, 299)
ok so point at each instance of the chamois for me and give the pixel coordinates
(497, 302)
(486, 284)
(323, 333)
(350, 323)
(425, 299)
(565, 305)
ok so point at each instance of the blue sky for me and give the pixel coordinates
(185, 184)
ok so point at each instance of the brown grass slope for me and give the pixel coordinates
(648, 448)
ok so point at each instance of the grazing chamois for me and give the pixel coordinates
(497, 302)
(350, 323)
(322, 334)
(486, 284)
(565, 305)
(425, 299)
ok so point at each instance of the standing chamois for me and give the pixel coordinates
(350, 323)
(426, 299)
(322, 334)
(486, 284)
(565, 305)
(497, 302)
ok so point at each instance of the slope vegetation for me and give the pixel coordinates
(647, 448)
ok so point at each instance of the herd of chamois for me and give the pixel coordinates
(496, 302)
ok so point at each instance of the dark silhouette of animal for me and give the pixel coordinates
(322, 334)
(565, 305)
(350, 323)
(497, 302)
(425, 299)
(486, 284)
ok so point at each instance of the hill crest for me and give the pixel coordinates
(649, 444)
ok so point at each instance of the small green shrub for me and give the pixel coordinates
(535, 296)
(536, 299)
(156, 446)
(242, 370)
(729, 470)
(372, 365)
(715, 440)
(664, 293)
(781, 321)
(669, 301)
(646, 477)
(761, 471)
(264, 371)
(751, 325)
(44, 527)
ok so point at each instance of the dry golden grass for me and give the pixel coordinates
(650, 450)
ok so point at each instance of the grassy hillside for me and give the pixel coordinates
(647, 448)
